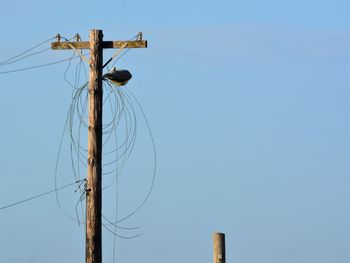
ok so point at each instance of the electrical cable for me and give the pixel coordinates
(39, 195)
(155, 163)
(117, 53)
(7, 61)
(38, 66)
(120, 236)
(27, 56)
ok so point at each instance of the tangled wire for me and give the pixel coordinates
(121, 118)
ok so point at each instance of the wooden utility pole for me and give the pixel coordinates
(94, 176)
(94, 173)
(219, 248)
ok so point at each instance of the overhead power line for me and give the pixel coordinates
(23, 55)
(39, 195)
(38, 66)
(17, 57)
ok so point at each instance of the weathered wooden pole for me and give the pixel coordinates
(219, 248)
(94, 176)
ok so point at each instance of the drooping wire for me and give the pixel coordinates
(38, 66)
(39, 195)
(73, 146)
(120, 126)
(27, 56)
(118, 235)
(127, 145)
(21, 57)
(116, 198)
(18, 57)
(155, 162)
(67, 128)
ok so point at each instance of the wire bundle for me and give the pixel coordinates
(120, 127)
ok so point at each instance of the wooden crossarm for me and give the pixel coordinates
(106, 44)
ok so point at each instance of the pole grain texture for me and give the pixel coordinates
(94, 177)
(219, 248)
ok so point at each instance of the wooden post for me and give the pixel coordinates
(94, 177)
(219, 248)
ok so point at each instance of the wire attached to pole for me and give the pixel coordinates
(39, 195)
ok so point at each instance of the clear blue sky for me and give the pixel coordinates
(249, 103)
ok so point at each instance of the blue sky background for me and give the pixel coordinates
(249, 106)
